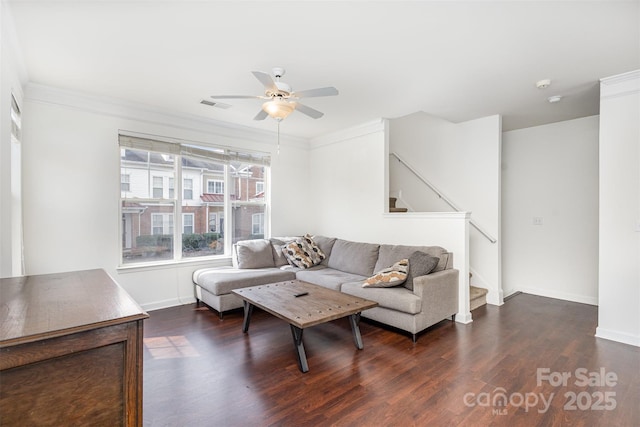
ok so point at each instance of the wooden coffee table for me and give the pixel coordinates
(303, 305)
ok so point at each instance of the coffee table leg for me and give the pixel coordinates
(248, 309)
(354, 319)
(297, 342)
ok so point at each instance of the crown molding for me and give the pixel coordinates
(620, 85)
(373, 126)
(128, 110)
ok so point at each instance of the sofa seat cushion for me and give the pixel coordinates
(221, 280)
(398, 298)
(327, 277)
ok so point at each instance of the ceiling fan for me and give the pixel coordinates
(281, 99)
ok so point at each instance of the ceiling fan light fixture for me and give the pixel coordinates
(278, 109)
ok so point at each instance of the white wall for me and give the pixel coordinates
(462, 160)
(619, 244)
(551, 172)
(12, 78)
(348, 173)
(71, 185)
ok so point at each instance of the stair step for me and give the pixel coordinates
(477, 297)
(398, 210)
(392, 202)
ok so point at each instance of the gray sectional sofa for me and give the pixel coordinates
(433, 297)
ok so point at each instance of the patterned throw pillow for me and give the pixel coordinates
(303, 252)
(388, 277)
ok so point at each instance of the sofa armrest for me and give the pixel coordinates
(438, 291)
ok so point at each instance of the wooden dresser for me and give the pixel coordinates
(70, 351)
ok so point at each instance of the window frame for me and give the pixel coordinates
(179, 150)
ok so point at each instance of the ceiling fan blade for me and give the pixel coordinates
(261, 115)
(214, 104)
(322, 91)
(315, 114)
(266, 80)
(235, 96)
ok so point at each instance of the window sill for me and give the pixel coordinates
(212, 261)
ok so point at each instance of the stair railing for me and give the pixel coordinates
(441, 195)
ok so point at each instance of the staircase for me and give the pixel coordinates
(392, 205)
(477, 296)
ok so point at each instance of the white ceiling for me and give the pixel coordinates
(456, 60)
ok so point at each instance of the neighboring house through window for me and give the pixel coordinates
(167, 226)
(161, 223)
(158, 190)
(213, 226)
(188, 189)
(125, 182)
(257, 223)
(187, 223)
(215, 186)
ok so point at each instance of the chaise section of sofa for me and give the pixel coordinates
(255, 262)
(420, 302)
(214, 285)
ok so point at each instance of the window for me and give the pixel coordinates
(257, 223)
(217, 183)
(248, 208)
(158, 191)
(187, 223)
(215, 187)
(213, 226)
(125, 180)
(188, 189)
(259, 187)
(161, 223)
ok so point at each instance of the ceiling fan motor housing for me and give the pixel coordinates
(284, 90)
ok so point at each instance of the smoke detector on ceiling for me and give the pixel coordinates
(553, 99)
(543, 84)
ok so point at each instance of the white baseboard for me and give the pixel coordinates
(157, 305)
(464, 318)
(494, 296)
(622, 337)
(583, 299)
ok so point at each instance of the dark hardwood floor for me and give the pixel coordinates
(203, 371)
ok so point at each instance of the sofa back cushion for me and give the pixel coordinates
(254, 254)
(277, 243)
(354, 257)
(390, 254)
(325, 244)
